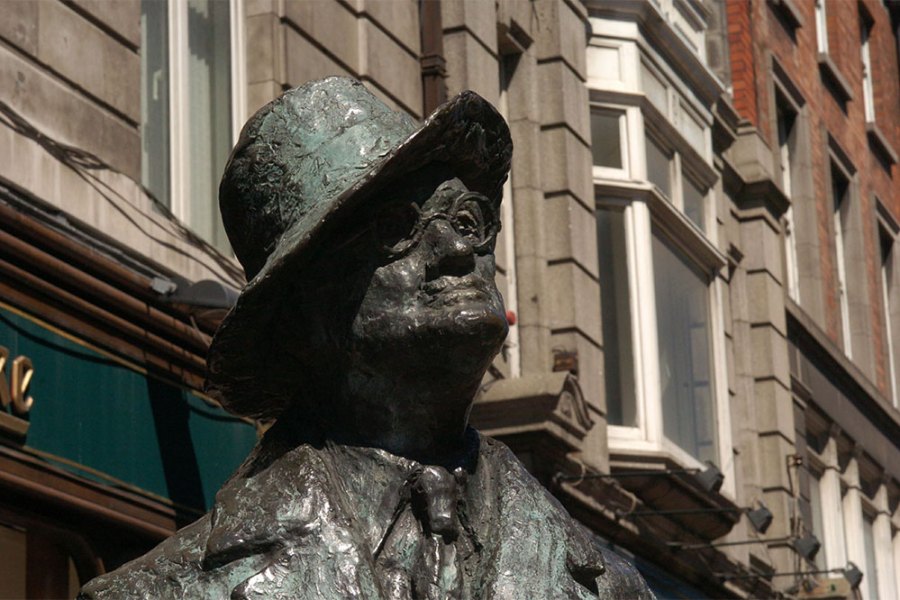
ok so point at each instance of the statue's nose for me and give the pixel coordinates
(452, 254)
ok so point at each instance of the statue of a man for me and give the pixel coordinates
(369, 319)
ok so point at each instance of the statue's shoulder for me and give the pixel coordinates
(214, 554)
(566, 558)
(167, 571)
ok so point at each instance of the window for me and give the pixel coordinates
(865, 33)
(189, 106)
(821, 27)
(618, 351)
(886, 243)
(681, 190)
(608, 135)
(840, 188)
(659, 168)
(683, 334)
(786, 119)
(661, 304)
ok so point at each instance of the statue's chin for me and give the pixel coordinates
(455, 342)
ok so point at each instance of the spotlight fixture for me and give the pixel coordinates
(710, 477)
(760, 518)
(853, 575)
(807, 546)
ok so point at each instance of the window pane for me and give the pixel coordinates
(155, 99)
(682, 316)
(694, 202)
(209, 77)
(887, 288)
(606, 140)
(818, 527)
(658, 171)
(618, 369)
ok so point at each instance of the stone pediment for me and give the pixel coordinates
(549, 405)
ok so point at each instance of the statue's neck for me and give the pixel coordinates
(424, 420)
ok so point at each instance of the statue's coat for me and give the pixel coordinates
(285, 531)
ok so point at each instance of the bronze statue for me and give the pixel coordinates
(370, 318)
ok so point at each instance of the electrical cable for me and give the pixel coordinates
(84, 163)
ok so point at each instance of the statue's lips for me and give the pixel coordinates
(466, 287)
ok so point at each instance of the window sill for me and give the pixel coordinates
(880, 145)
(835, 81)
(672, 491)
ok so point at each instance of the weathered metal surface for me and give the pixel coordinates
(369, 321)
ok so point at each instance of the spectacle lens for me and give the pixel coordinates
(398, 227)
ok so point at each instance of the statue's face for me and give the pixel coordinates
(432, 299)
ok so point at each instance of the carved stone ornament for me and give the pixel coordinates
(368, 322)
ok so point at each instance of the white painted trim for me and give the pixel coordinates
(179, 185)
(821, 23)
(179, 97)
(720, 387)
(507, 215)
(238, 69)
(843, 292)
(643, 309)
(626, 117)
(868, 93)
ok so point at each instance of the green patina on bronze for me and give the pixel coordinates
(369, 320)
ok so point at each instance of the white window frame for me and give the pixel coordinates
(889, 229)
(179, 151)
(684, 162)
(868, 90)
(821, 27)
(645, 208)
(783, 103)
(839, 206)
(627, 116)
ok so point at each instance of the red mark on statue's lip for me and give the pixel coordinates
(511, 317)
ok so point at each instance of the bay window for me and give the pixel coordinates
(661, 305)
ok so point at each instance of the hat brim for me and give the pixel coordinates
(466, 134)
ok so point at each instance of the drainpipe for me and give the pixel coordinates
(434, 67)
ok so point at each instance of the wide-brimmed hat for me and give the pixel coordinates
(303, 164)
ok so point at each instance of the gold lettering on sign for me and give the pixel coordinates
(22, 372)
(16, 394)
(5, 399)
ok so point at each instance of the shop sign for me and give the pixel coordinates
(14, 392)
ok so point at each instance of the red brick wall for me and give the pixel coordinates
(740, 42)
(754, 31)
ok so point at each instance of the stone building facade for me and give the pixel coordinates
(697, 252)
